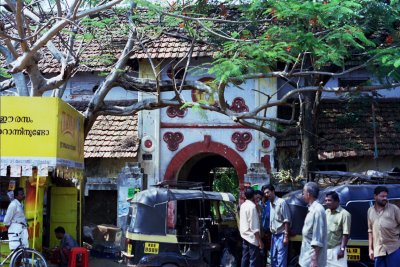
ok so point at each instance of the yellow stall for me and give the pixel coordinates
(41, 149)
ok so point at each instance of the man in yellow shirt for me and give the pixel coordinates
(339, 223)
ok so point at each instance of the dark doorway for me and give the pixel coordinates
(101, 207)
(204, 168)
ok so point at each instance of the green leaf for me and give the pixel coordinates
(396, 64)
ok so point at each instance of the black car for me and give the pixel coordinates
(356, 199)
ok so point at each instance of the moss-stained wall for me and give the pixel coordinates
(105, 167)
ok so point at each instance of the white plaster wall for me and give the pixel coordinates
(252, 91)
(80, 87)
(149, 125)
(206, 117)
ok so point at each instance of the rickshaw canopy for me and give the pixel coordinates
(155, 196)
(153, 203)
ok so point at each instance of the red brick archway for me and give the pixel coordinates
(206, 146)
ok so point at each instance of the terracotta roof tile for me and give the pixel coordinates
(171, 47)
(92, 55)
(111, 136)
(346, 130)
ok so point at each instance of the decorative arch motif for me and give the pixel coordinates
(239, 105)
(241, 140)
(173, 112)
(206, 146)
(173, 140)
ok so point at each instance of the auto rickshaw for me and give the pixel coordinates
(356, 199)
(181, 227)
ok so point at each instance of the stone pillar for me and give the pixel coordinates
(256, 176)
(130, 180)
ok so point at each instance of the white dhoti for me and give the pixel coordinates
(333, 261)
(17, 235)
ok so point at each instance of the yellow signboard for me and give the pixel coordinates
(40, 131)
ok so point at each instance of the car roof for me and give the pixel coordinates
(364, 192)
(347, 193)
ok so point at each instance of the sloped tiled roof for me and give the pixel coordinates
(172, 47)
(110, 47)
(347, 130)
(92, 57)
(111, 136)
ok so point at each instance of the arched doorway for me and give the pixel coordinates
(196, 162)
(203, 168)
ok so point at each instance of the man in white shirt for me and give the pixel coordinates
(250, 231)
(15, 220)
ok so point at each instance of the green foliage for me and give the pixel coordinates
(348, 119)
(4, 73)
(196, 107)
(285, 177)
(226, 180)
(96, 22)
(103, 60)
(329, 30)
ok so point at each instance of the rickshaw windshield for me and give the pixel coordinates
(171, 210)
(226, 210)
(142, 222)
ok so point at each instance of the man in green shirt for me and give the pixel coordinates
(339, 222)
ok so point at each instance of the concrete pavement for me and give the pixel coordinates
(99, 262)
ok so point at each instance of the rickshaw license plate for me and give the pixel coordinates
(151, 248)
(353, 254)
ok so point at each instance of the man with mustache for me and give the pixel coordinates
(384, 230)
(339, 224)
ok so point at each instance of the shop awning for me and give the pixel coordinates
(39, 132)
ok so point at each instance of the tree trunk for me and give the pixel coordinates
(308, 148)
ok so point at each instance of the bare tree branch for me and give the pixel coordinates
(20, 63)
(7, 84)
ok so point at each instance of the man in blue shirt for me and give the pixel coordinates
(265, 225)
(67, 242)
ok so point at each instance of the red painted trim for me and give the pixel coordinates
(267, 163)
(173, 140)
(241, 140)
(204, 126)
(206, 146)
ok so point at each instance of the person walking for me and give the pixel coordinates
(339, 223)
(15, 221)
(279, 227)
(384, 230)
(314, 232)
(250, 231)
